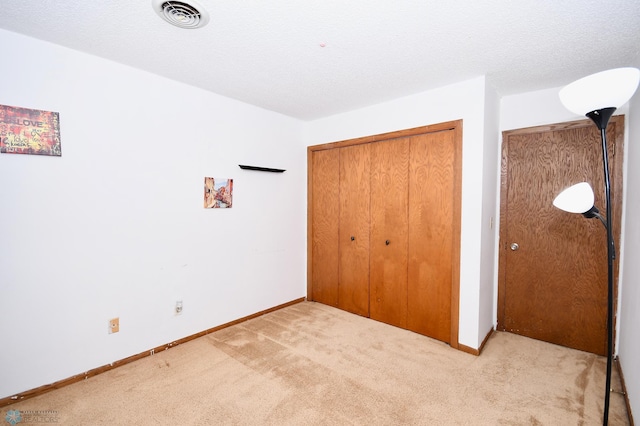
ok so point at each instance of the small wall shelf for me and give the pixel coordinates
(261, 169)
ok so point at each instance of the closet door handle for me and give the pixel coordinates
(353, 238)
(387, 242)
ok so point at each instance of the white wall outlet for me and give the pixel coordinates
(178, 309)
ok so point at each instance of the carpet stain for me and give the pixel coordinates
(311, 364)
(534, 421)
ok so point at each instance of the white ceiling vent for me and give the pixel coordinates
(184, 14)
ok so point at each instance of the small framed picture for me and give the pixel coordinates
(218, 193)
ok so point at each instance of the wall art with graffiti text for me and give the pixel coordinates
(29, 131)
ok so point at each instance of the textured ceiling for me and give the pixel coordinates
(270, 54)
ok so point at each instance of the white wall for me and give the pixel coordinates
(116, 226)
(533, 109)
(487, 319)
(629, 314)
(466, 101)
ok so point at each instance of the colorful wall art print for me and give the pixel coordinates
(218, 193)
(29, 131)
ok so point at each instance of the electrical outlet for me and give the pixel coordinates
(178, 307)
(114, 325)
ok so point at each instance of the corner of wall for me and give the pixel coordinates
(628, 345)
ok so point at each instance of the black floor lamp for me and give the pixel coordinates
(597, 96)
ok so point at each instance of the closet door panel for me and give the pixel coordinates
(353, 287)
(431, 229)
(389, 231)
(325, 218)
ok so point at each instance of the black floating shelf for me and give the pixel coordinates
(260, 169)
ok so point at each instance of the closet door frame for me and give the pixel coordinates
(455, 126)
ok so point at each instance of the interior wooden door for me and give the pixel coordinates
(433, 224)
(325, 216)
(353, 286)
(553, 264)
(389, 231)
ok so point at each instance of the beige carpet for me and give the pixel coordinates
(310, 364)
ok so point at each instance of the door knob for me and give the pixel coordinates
(387, 242)
(514, 246)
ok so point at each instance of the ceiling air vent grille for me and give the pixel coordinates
(181, 14)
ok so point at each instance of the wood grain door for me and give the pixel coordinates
(325, 216)
(433, 226)
(353, 286)
(389, 231)
(553, 264)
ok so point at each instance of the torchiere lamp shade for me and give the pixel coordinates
(577, 198)
(606, 89)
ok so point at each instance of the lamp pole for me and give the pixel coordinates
(601, 118)
(597, 96)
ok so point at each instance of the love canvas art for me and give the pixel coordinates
(29, 131)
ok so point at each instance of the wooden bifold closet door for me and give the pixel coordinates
(389, 231)
(353, 234)
(384, 226)
(325, 206)
(434, 212)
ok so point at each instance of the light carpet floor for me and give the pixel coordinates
(311, 364)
